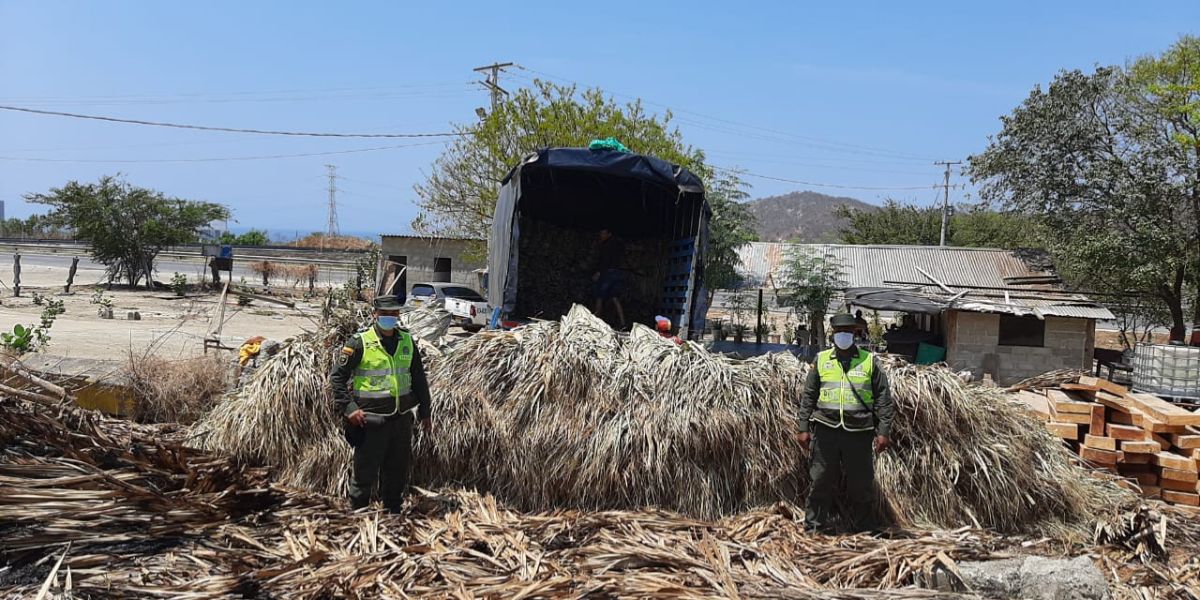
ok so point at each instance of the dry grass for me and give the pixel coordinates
(174, 391)
(337, 242)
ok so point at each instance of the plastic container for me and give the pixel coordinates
(1167, 370)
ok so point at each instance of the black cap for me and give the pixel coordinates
(389, 303)
(843, 320)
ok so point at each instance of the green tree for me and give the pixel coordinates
(1109, 164)
(892, 223)
(731, 228)
(127, 226)
(459, 196)
(971, 226)
(254, 237)
(810, 281)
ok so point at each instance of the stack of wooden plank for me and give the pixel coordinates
(1145, 439)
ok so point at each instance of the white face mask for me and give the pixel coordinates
(843, 340)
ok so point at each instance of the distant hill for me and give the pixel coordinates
(805, 217)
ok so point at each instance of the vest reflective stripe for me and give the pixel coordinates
(381, 375)
(372, 372)
(379, 394)
(836, 384)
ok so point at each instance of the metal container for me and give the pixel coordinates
(1167, 370)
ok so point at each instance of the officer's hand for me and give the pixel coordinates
(357, 418)
(882, 442)
(427, 425)
(805, 439)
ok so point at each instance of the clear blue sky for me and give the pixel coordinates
(886, 87)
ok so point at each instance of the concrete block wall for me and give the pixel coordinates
(974, 345)
(421, 255)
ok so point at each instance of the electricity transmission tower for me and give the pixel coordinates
(331, 228)
(492, 80)
(946, 197)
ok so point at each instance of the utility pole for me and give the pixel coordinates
(946, 198)
(492, 80)
(331, 228)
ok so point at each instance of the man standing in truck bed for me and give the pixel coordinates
(380, 390)
(607, 275)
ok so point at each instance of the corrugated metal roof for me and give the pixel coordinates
(887, 266)
(870, 266)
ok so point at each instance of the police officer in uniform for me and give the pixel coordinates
(380, 390)
(846, 411)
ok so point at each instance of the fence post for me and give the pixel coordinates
(17, 275)
(71, 274)
(758, 328)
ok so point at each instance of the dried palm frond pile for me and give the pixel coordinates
(284, 415)
(571, 414)
(174, 391)
(113, 510)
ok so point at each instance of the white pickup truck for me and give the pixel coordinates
(465, 305)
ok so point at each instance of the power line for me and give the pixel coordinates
(864, 148)
(211, 159)
(228, 129)
(21, 99)
(824, 185)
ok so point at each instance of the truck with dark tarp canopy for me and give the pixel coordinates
(548, 215)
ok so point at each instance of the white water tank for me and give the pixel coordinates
(1167, 370)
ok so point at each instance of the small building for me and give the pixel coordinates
(1004, 313)
(412, 259)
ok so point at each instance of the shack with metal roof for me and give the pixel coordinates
(1004, 313)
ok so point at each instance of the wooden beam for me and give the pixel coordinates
(1099, 419)
(1086, 391)
(287, 303)
(1151, 424)
(1121, 418)
(1036, 405)
(1185, 441)
(1066, 431)
(1100, 442)
(1181, 498)
(1077, 418)
(1126, 432)
(1064, 403)
(1104, 385)
(1187, 475)
(1140, 447)
(1177, 485)
(1162, 411)
(1100, 457)
(1151, 491)
(1174, 461)
(1129, 458)
(1145, 478)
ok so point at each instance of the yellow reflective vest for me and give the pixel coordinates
(383, 382)
(837, 405)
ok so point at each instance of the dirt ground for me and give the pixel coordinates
(1112, 339)
(176, 326)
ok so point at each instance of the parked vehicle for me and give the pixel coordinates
(467, 307)
(551, 207)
